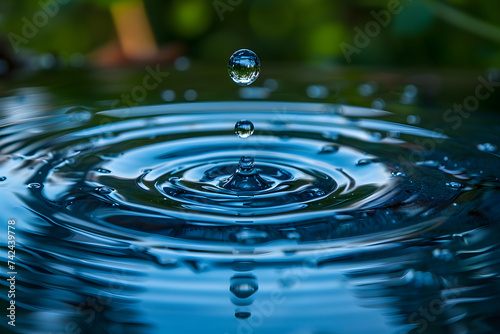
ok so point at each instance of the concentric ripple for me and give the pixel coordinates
(167, 169)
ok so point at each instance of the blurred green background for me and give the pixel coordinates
(424, 33)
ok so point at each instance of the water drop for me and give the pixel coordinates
(329, 149)
(245, 178)
(3, 178)
(244, 67)
(244, 128)
(454, 185)
(243, 286)
(487, 147)
(362, 162)
(104, 190)
(242, 315)
(34, 185)
(103, 170)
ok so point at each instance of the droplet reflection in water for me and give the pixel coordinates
(243, 128)
(244, 67)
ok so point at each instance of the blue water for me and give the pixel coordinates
(125, 222)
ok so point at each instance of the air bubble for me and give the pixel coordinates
(244, 128)
(244, 67)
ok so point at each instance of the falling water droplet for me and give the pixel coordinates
(242, 315)
(243, 286)
(244, 67)
(243, 128)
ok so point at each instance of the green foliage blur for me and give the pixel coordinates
(430, 33)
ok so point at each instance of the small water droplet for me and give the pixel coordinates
(454, 185)
(103, 170)
(244, 128)
(329, 149)
(242, 315)
(104, 190)
(362, 162)
(244, 67)
(3, 178)
(399, 174)
(487, 147)
(34, 185)
(243, 286)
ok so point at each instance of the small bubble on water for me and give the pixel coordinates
(190, 95)
(104, 190)
(103, 170)
(487, 147)
(34, 185)
(244, 67)
(243, 128)
(454, 185)
(329, 149)
(362, 162)
(168, 95)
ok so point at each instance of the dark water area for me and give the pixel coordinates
(371, 205)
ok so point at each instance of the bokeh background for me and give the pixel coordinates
(425, 33)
